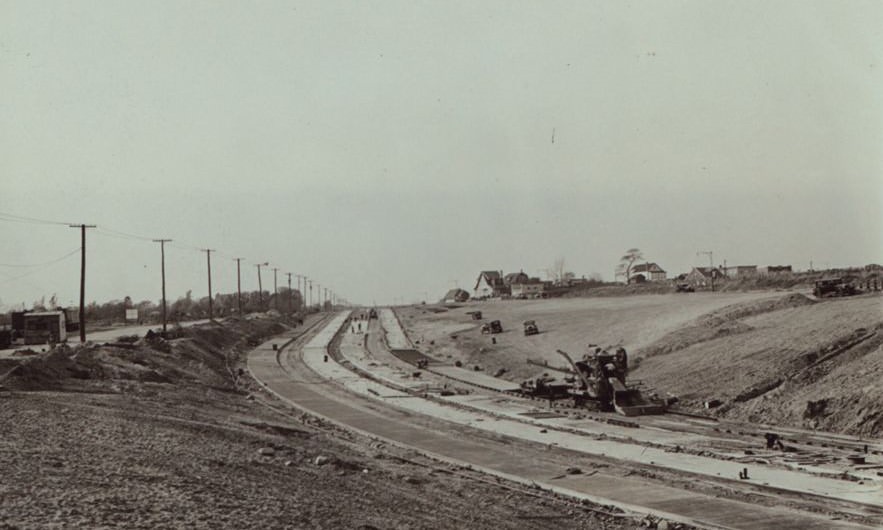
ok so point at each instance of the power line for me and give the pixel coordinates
(123, 235)
(69, 254)
(11, 217)
(41, 264)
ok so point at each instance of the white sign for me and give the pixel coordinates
(131, 314)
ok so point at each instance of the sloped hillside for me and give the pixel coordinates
(788, 361)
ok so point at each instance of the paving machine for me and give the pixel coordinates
(476, 315)
(530, 328)
(833, 287)
(602, 378)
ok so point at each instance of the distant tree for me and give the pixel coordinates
(627, 261)
(39, 305)
(53, 301)
(596, 277)
(556, 271)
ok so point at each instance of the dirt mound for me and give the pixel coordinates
(201, 354)
(788, 361)
(835, 387)
(738, 311)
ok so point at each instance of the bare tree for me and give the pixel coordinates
(627, 262)
(556, 271)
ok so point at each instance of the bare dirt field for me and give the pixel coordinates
(569, 324)
(772, 357)
(168, 434)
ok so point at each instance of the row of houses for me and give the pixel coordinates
(652, 272)
(495, 284)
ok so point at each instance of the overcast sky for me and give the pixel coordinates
(390, 149)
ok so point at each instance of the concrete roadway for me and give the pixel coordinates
(289, 376)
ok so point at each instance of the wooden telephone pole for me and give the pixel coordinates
(275, 289)
(239, 284)
(82, 318)
(289, 291)
(208, 261)
(260, 286)
(162, 250)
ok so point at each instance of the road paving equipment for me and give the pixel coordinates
(530, 328)
(602, 378)
(492, 327)
(476, 315)
(833, 287)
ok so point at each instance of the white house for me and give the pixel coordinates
(650, 272)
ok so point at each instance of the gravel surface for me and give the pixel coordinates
(93, 442)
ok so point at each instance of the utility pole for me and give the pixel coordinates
(260, 285)
(311, 294)
(275, 289)
(289, 291)
(238, 284)
(162, 250)
(301, 291)
(325, 299)
(82, 228)
(318, 295)
(711, 263)
(208, 262)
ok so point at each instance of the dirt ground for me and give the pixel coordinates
(799, 362)
(569, 324)
(769, 357)
(159, 434)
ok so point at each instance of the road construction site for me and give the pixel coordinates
(368, 376)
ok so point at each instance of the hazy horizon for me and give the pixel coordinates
(394, 150)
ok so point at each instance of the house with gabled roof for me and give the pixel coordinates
(702, 276)
(646, 272)
(490, 284)
(514, 278)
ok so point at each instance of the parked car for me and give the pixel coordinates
(684, 288)
(492, 327)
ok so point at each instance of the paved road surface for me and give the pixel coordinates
(293, 380)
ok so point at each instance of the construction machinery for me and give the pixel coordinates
(492, 327)
(530, 328)
(600, 377)
(833, 287)
(476, 315)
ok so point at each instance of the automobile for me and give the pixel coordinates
(684, 288)
(476, 315)
(492, 327)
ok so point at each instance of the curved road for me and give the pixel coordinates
(291, 373)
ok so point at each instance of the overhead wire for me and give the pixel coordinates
(108, 232)
(122, 235)
(14, 218)
(42, 266)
